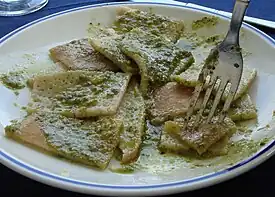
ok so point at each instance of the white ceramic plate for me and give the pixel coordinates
(159, 178)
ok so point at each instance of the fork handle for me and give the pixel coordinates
(239, 10)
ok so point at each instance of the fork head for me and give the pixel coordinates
(221, 74)
(222, 71)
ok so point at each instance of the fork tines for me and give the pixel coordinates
(199, 89)
(211, 78)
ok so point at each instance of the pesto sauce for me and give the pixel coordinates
(106, 41)
(208, 41)
(157, 58)
(29, 110)
(190, 77)
(90, 141)
(205, 22)
(211, 60)
(80, 93)
(94, 140)
(246, 147)
(14, 80)
(212, 39)
(13, 127)
(125, 169)
(167, 27)
(132, 113)
(192, 42)
(152, 134)
(243, 109)
(153, 161)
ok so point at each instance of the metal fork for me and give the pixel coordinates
(223, 66)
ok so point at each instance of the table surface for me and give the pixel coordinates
(257, 181)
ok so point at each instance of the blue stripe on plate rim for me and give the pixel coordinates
(38, 172)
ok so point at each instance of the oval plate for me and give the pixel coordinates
(72, 24)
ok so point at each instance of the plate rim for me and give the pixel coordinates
(165, 188)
